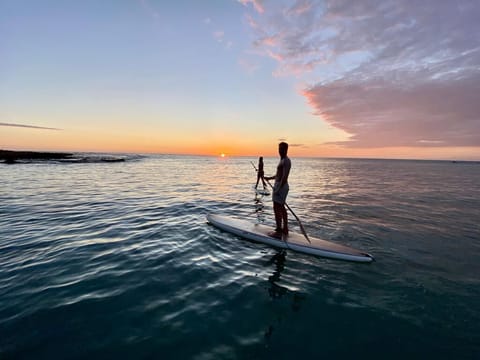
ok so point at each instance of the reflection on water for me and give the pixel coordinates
(259, 208)
(277, 291)
(280, 294)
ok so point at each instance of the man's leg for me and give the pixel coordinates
(278, 221)
(277, 209)
(284, 217)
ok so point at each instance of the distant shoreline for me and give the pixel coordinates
(10, 156)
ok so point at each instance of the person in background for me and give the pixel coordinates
(260, 173)
(280, 191)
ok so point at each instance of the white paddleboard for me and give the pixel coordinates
(293, 241)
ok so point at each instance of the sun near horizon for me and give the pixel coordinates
(223, 145)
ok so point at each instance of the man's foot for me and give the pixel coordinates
(285, 232)
(275, 234)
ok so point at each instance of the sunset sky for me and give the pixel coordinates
(387, 78)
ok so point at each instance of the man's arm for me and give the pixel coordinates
(270, 177)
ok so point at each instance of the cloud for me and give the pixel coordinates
(219, 35)
(389, 73)
(248, 66)
(382, 112)
(294, 144)
(27, 126)
(298, 145)
(257, 4)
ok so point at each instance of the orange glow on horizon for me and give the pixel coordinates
(108, 140)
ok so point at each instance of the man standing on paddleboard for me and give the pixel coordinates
(280, 191)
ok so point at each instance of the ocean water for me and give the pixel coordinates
(116, 260)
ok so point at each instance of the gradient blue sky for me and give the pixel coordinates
(333, 78)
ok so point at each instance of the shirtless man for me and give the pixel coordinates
(280, 191)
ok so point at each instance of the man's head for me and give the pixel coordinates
(283, 149)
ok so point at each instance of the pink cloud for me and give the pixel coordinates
(257, 4)
(380, 112)
(219, 35)
(267, 41)
(300, 7)
(389, 73)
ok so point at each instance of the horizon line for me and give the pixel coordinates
(246, 156)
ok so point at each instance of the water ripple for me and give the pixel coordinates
(117, 260)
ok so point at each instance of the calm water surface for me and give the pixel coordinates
(116, 260)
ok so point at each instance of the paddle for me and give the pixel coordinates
(289, 208)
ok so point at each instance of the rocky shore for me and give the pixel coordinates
(10, 157)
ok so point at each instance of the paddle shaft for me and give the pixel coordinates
(289, 208)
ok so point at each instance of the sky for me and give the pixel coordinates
(334, 78)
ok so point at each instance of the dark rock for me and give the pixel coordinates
(11, 157)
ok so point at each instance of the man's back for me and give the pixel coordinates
(283, 170)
